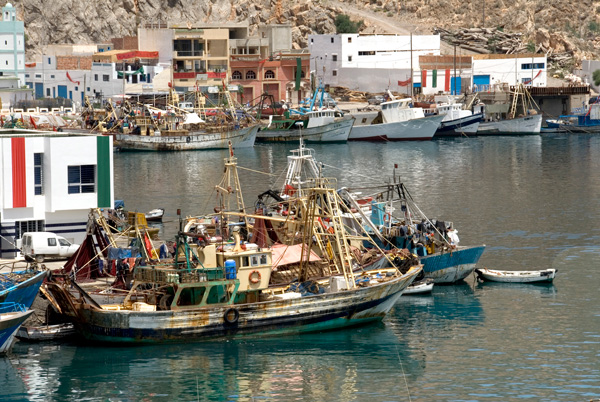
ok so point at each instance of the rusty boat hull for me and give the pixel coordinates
(283, 316)
(239, 138)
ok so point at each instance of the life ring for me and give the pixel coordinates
(188, 139)
(231, 316)
(254, 276)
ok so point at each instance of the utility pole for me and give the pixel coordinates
(454, 86)
(411, 68)
(483, 15)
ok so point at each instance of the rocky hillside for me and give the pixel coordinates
(558, 26)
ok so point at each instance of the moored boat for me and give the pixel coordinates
(397, 121)
(46, 332)
(520, 125)
(420, 287)
(12, 315)
(21, 287)
(545, 275)
(155, 215)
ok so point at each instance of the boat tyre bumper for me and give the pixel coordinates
(231, 316)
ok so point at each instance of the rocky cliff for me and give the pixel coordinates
(546, 25)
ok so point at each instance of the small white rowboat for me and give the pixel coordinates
(546, 275)
(420, 287)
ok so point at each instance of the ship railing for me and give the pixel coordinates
(11, 307)
(165, 275)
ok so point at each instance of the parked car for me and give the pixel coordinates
(376, 100)
(41, 245)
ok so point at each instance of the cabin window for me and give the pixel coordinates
(82, 179)
(250, 75)
(236, 75)
(245, 262)
(38, 173)
(269, 74)
(28, 226)
(263, 259)
(254, 260)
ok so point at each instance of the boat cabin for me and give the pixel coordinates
(398, 110)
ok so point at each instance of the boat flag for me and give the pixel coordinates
(404, 83)
(423, 78)
(71, 79)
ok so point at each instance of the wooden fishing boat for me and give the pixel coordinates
(545, 275)
(223, 289)
(21, 287)
(12, 315)
(46, 332)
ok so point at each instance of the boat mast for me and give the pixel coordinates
(230, 184)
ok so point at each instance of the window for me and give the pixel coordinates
(77, 88)
(82, 179)
(51, 75)
(334, 57)
(250, 75)
(49, 60)
(312, 40)
(38, 173)
(530, 66)
(64, 242)
(236, 75)
(105, 77)
(334, 73)
(38, 76)
(28, 226)
(51, 241)
(88, 89)
(263, 259)
(366, 53)
(95, 77)
(350, 39)
(26, 75)
(349, 58)
(48, 93)
(332, 39)
(269, 74)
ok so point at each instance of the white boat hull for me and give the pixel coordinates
(336, 131)
(546, 275)
(520, 125)
(421, 129)
(241, 138)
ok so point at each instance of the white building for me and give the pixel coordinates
(511, 69)
(368, 62)
(49, 181)
(12, 44)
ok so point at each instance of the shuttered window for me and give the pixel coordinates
(82, 179)
(38, 173)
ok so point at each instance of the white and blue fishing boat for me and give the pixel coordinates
(398, 222)
(21, 287)
(12, 315)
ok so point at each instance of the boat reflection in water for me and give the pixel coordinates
(324, 367)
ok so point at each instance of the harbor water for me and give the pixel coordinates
(532, 200)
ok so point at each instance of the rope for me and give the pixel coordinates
(256, 171)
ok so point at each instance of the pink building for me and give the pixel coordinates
(275, 75)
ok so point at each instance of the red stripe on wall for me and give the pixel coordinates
(19, 187)
(447, 80)
(423, 78)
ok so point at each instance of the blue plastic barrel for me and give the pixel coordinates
(230, 269)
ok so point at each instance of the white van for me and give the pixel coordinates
(41, 245)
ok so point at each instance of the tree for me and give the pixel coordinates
(596, 77)
(343, 24)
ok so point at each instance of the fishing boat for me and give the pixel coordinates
(313, 123)
(155, 215)
(12, 315)
(545, 275)
(397, 121)
(528, 121)
(21, 286)
(457, 120)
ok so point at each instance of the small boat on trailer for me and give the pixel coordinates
(545, 275)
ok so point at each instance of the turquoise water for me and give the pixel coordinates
(532, 200)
